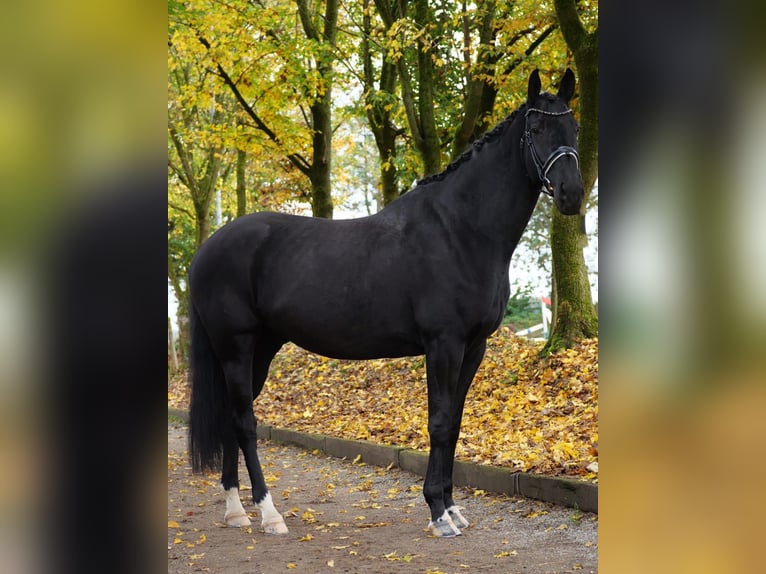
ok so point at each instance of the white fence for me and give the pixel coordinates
(543, 327)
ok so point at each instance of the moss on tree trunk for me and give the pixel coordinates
(574, 316)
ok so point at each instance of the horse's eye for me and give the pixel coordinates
(535, 130)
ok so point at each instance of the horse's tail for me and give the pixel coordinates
(209, 404)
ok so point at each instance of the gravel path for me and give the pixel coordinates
(351, 517)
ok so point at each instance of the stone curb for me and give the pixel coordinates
(562, 491)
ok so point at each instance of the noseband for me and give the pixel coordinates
(544, 167)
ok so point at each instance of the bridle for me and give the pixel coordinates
(544, 167)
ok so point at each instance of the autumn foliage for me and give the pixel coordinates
(524, 412)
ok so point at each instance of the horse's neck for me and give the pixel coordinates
(494, 193)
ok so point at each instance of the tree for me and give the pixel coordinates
(574, 315)
(380, 100)
(195, 169)
(451, 61)
(281, 80)
(195, 156)
(484, 77)
(322, 30)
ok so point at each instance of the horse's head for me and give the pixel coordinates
(549, 144)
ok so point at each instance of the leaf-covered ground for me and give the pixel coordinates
(346, 516)
(531, 414)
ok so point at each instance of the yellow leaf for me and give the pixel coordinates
(173, 524)
(308, 516)
(306, 538)
(177, 541)
(292, 565)
(331, 563)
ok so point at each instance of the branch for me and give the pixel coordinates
(179, 172)
(408, 99)
(331, 21)
(532, 47)
(306, 118)
(305, 15)
(181, 209)
(184, 157)
(296, 159)
(571, 27)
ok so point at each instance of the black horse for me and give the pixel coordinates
(426, 275)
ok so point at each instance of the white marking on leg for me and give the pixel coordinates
(235, 512)
(443, 527)
(457, 517)
(271, 520)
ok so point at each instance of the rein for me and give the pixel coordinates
(544, 167)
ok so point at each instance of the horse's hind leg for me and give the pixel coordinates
(245, 364)
(266, 346)
(235, 512)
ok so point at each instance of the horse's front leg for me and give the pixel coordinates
(471, 361)
(443, 363)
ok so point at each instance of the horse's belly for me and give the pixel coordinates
(347, 331)
(373, 346)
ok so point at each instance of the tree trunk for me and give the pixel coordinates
(321, 109)
(430, 150)
(182, 312)
(241, 183)
(388, 187)
(321, 164)
(379, 101)
(172, 348)
(574, 316)
(420, 114)
(476, 82)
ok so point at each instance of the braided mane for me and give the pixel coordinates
(476, 146)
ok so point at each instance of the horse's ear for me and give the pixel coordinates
(567, 86)
(533, 90)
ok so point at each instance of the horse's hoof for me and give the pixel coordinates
(457, 518)
(444, 527)
(237, 520)
(275, 525)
